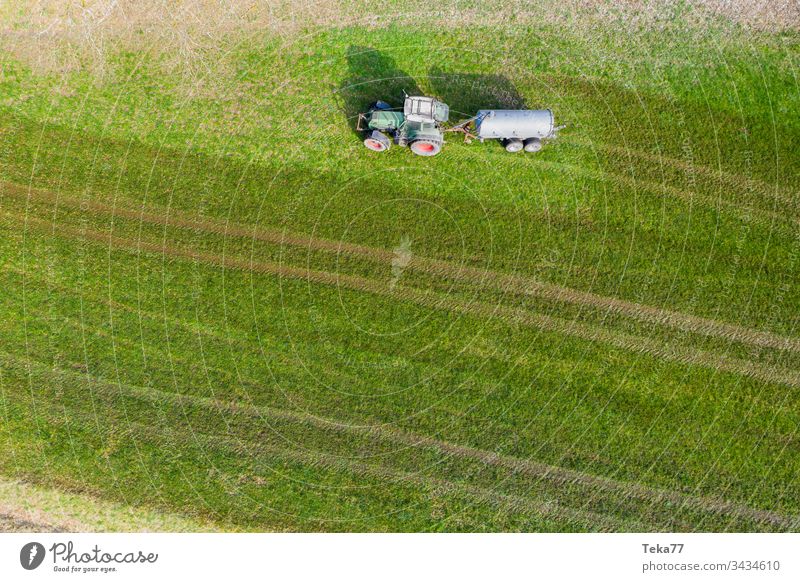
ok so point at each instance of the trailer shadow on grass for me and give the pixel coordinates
(466, 93)
(372, 76)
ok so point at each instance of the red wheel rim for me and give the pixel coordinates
(374, 145)
(424, 147)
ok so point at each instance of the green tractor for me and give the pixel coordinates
(419, 126)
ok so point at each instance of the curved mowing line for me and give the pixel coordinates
(743, 184)
(551, 509)
(636, 344)
(501, 281)
(765, 218)
(518, 504)
(529, 468)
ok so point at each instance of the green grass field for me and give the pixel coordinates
(200, 315)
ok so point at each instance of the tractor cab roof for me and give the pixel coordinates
(425, 109)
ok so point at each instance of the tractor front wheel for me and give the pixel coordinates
(426, 147)
(378, 142)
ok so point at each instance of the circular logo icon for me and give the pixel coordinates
(31, 555)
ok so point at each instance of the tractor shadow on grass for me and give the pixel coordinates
(466, 93)
(372, 76)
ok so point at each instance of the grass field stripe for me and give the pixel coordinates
(584, 331)
(169, 436)
(518, 504)
(742, 183)
(522, 505)
(558, 475)
(505, 282)
(762, 217)
(157, 397)
(400, 438)
(529, 468)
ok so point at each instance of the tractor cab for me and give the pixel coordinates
(425, 110)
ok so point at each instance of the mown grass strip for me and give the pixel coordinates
(499, 281)
(558, 476)
(263, 455)
(584, 331)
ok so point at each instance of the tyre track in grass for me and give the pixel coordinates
(509, 315)
(743, 184)
(533, 469)
(331, 461)
(517, 284)
(182, 438)
(765, 218)
(402, 438)
(433, 485)
(14, 521)
(516, 465)
(513, 315)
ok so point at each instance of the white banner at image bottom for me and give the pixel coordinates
(399, 557)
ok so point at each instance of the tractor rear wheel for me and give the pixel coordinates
(378, 142)
(513, 145)
(425, 147)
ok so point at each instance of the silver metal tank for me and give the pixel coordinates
(514, 123)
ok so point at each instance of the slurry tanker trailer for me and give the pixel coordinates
(421, 126)
(517, 128)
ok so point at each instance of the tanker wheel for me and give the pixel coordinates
(425, 147)
(533, 144)
(513, 145)
(378, 142)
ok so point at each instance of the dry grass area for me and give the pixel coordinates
(56, 36)
(27, 508)
(769, 15)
